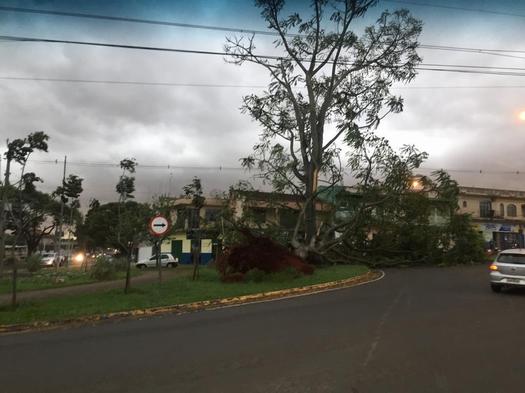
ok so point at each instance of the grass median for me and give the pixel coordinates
(178, 290)
(50, 279)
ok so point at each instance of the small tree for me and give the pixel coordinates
(193, 190)
(68, 194)
(125, 188)
(19, 151)
(36, 213)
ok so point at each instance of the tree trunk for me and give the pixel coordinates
(196, 257)
(128, 274)
(15, 275)
(32, 246)
(310, 213)
(2, 216)
(13, 289)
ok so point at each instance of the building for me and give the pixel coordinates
(179, 243)
(253, 208)
(271, 208)
(498, 215)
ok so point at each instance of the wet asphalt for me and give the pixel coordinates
(416, 330)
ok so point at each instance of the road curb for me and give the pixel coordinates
(197, 306)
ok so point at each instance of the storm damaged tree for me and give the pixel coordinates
(19, 151)
(329, 86)
(393, 217)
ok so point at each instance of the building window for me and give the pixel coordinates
(485, 208)
(181, 218)
(464, 203)
(511, 210)
(501, 210)
(523, 210)
(257, 214)
(288, 218)
(212, 214)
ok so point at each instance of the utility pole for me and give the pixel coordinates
(58, 230)
(2, 213)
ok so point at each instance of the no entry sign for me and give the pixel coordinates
(158, 226)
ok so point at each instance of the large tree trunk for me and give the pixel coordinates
(32, 245)
(310, 213)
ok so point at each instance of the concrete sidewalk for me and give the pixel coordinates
(146, 278)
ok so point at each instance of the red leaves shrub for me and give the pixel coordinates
(258, 252)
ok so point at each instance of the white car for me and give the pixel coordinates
(166, 260)
(49, 258)
(508, 270)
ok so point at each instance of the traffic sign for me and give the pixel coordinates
(158, 226)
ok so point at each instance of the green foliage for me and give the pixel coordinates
(103, 269)
(29, 213)
(33, 263)
(19, 150)
(194, 191)
(126, 187)
(71, 188)
(408, 225)
(100, 228)
(126, 184)
(255, 275)
(465, 243)
(120, 263)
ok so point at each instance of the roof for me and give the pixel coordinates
(491, 192)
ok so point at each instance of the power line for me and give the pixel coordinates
(461, 87)
(464, 48)
(211, 85)
(223, 28)
(450, 7)
(491, 52)
(519, 172)
(193, 51)
(115, 82)
(464, 71)
(98, 164)
(124, 46)
(138, 20)
(95, 164)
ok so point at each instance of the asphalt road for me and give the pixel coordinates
(417, 330)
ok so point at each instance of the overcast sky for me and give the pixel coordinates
(460, 124)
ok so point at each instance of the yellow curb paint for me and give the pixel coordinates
(200, 305)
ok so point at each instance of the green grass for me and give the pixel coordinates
(178, 290)
(47, 279)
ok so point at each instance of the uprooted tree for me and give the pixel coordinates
(393, 217)
(330, 86)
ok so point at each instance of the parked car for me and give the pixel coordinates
(166, 260)
(508, 270)
(49, 258)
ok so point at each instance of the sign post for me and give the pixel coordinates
(158, 227)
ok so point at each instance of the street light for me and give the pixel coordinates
(521, 115)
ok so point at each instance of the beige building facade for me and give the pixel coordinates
(499, 215)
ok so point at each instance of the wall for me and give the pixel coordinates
(185, 258)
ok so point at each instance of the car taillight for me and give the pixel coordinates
(493, 267)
